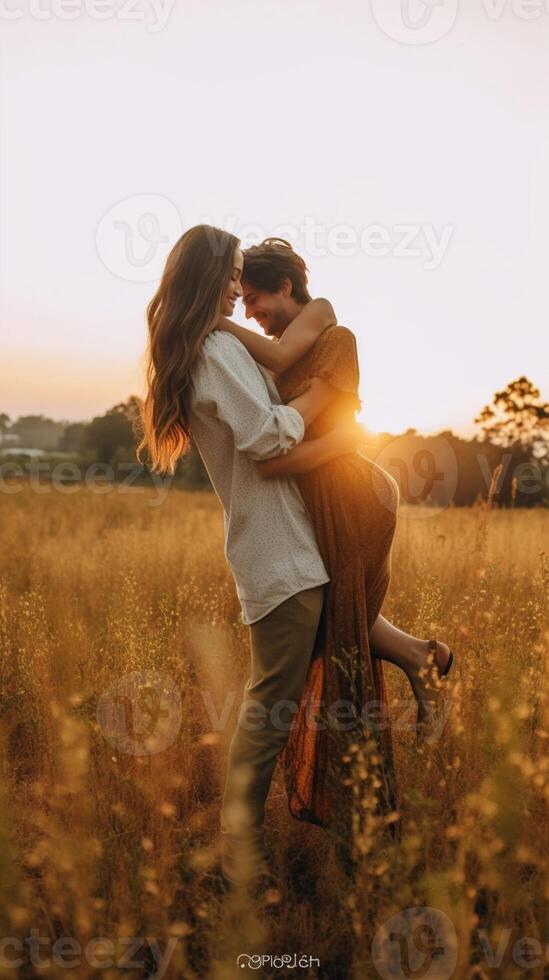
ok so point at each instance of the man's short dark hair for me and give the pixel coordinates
(268, 264)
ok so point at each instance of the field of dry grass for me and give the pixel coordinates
(105, 596)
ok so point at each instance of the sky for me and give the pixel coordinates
(401, 145)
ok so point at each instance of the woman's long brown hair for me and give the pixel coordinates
(185, 307)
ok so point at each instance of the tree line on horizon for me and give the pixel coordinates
(513, 435)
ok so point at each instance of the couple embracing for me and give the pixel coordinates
(309, 525)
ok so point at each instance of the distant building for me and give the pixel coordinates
(8, 439)
(20, 451)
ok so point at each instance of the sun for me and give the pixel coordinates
(383, 418)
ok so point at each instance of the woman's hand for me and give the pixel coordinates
(225, 324)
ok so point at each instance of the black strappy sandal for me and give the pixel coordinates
(423, 726)
(433, 648)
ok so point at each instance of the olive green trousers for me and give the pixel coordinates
(281, 646)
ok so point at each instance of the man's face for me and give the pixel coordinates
(269, 309)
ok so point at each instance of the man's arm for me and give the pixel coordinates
(230, 386)
(308, 456)
(316, 397)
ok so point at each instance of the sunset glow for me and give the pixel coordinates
(420, 217)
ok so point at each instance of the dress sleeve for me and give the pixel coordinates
(335, 359)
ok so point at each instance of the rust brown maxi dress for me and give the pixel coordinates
(353, 506)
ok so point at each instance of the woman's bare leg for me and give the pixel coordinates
(389, 643)
(408, 652)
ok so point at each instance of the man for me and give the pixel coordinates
(237, 419)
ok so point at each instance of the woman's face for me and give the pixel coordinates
(233, 289)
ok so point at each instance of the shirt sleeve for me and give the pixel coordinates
(230, 386)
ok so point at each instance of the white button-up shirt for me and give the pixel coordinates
(237, 418)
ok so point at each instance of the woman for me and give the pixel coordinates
(353, 504)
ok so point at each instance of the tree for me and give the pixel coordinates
(192, 471)
(37, 431)
(4, 423)
(517, 416)
(189, 469)
(73, 439)
(112, 431)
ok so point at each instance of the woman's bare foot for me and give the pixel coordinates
(425, 676)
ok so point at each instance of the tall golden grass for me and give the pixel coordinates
(99, 841)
